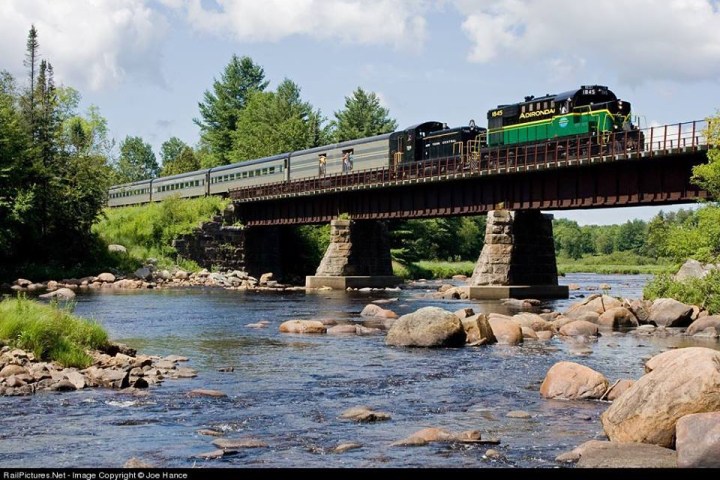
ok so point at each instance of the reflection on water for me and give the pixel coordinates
(289, 390)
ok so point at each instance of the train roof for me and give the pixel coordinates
(131, 184)
(561, 97)
(247, 163)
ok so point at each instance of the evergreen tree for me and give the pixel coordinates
(221, 107)
(363, 116)
(137, 161)
(277, 122)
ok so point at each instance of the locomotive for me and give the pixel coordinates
(590, 119)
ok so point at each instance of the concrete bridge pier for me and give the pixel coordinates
(518, 258)
(358, 256)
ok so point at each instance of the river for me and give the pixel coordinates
(289, 390)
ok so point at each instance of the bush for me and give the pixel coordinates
(704, 292)
(50, 332)
(147, 231)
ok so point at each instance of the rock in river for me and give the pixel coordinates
(683, 382)
(572, 381)
(427, 327)
(303, 326)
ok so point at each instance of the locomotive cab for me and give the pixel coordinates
(407, 145)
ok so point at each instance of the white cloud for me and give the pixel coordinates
(399, 23)
(91, 43)
(637, 40)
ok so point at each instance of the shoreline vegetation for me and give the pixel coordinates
(51, 332)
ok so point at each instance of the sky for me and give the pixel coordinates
(146, 63)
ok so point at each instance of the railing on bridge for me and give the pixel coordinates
(648, 142)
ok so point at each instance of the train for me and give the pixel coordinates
(585, 120)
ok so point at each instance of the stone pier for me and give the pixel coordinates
(518, 258)
(214, 245)
(358, 256)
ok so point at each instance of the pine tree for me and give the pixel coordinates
(221, 107)
(363, 116)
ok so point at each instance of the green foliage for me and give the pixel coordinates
(186, 161)
(137, 161)
(148, 230)
(51, 333)
(312, 241)
(707, 176)
(53, 171)
(446, 239)
(276, 122)
(363, 116)
(614, 263)
(704, 292)
(170, 150)
(220, 108)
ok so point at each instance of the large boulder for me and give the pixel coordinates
(372, 310)
(427, 327)
(618, 318)
(572, 381)
(579, 328)
(702, 323)
(668, 312)
(681, 383)
(478, 329)
(143, 273)
(594, 303)
(698, 440)
(641, 309)
(693, 269)
(506, 331)
(303, 326)
(533, 321)
(106, 277)
(60, 294)
(601, 454)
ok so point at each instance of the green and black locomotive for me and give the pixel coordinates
(592, 111)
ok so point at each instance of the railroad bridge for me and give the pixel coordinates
(510, 185)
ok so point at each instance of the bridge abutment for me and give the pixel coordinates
(358, 256)
(518, 258)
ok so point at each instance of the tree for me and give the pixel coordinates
(631, 236)
(53, 177)
(186, 161)
(171, 149)
(221, 107)
(570, 238)
(13, 145)
(363, 116)
(707, 176)
(277, 122)
(137, 161)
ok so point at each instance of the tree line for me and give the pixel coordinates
(241, 119)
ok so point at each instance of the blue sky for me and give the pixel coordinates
(146, 63)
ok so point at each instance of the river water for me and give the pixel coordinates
(289, 390)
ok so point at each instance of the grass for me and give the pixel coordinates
(147, 231)
(51, 333)
(626, 263)
(432, 269)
